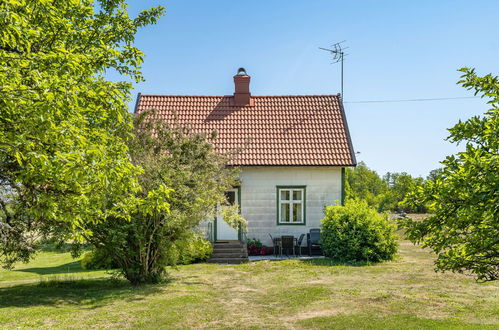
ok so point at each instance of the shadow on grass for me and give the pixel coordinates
(332, 262)
(88, 293)
(323, 261)
(57, 247)
(70, 267)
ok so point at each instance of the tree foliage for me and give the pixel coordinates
(399, 186)
(64, 127)
(383, 193)
(464, 230)
(193, 249)
(365, 184)
(232, 216)
(173, 156)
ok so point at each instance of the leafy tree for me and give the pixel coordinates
(63, 152)
(365, 184)
(173, 156)
(399, 186)
(434, 174)
(386, 193)
(464, 230)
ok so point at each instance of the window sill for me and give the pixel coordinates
(291, 224)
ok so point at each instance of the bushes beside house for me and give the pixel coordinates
(190, 249)
(357, 232)
(256, 248)
(183, 178)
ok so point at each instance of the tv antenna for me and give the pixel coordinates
(338, 52)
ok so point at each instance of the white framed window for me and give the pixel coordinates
(291, 205)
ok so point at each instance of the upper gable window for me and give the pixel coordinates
(291, 205)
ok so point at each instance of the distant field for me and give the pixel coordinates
(405, 293)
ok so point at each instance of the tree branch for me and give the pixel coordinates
(8, 215)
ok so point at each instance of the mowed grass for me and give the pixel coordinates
(54, 292)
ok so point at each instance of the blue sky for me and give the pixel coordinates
(397, 50)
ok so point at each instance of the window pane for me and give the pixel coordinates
(285, 195)
(284, 212)
(297, 195)
(230, 196)
(297, 217)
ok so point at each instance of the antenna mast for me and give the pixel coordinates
(338, 53)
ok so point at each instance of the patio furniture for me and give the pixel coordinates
(276, 245)
(298, 244)
(288, 243)
(314, 240)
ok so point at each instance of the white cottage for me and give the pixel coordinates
(292, 151)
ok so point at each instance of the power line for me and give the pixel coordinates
(417, 100)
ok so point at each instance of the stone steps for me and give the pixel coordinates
(238, 254)
(229, 252)
(227, 261)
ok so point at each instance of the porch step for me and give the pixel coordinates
(229, 252)
(228, 248)
(228, 244)
(231, 261)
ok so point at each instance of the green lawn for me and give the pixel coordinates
(405, 293)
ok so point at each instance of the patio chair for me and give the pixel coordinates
(275, 245)
(314, 240)
(288, 243)
(298, 244)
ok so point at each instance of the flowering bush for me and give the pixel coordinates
(256, 248)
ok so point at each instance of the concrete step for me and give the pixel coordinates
(238, 248)
(229, 248)
(232, 261)
(228, 245)
(237, 254)
(229, 252)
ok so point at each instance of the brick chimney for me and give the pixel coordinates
(242, 95)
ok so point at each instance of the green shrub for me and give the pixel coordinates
(256, 248)
(356, 232)
(190, 249)
(193, 247)
(97, 259)
(256, 242)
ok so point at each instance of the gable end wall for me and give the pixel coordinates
(259, 200)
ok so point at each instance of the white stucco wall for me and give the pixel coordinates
(259, 200)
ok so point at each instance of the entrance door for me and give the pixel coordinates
(224, 231)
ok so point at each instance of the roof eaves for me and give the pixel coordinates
(257, 96)
(349, 138)
(137, 103)
(292, 165)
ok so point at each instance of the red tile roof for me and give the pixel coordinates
(274, 130)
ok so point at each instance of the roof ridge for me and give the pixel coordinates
(218, 96)
(297, 95)
(179, 95)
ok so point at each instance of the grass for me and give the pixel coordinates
(54, 292)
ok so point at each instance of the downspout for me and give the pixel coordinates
(343, 192)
